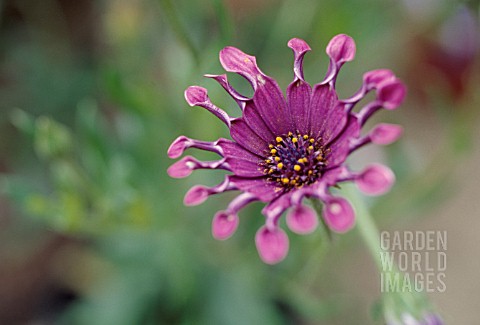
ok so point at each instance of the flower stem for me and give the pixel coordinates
(365, 224)
(317, 206)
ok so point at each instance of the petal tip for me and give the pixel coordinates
(302, 220)
(224, 225)
(177, 147)
(376, 77)
(195, 95)
(298, 45)
(196, 195)
(272, 245)
(181, 168)
(341, 48)
(392, 94)
(375, 180)
(339, 215)
(385, 133)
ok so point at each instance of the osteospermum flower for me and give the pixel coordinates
(285, 150)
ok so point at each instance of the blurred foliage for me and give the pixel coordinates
(94, 90)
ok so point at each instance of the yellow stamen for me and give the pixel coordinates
(305, 137)
(273, 151)
(310, 147)
(280, 166)
(312, 140)
(277, 159)
(270, 146)
(268, 161)
(297, 168)
(305, 160)
(294, 140)
(310, 172)
(270, 171)
(290, 134)
(278, 139)
(293, 182)
(285, 180)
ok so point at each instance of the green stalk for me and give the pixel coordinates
(365, 224)
(178, 28)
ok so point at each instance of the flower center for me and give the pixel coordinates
(294, 160)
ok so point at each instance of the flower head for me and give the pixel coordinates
(285, 150)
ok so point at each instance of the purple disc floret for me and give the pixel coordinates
(285, 149)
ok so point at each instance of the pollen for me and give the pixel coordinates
(291, 160)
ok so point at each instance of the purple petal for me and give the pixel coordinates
(327, 115)
(198, 194)
(268, 97)
(299, 94)
(271, 104)
(274, 210)
(197, 96)
(374, 78)
(339, 214)
(300, 48)
(333, 176)
(272, 245)
(182, 168)
(302, 220)
(232, 149)
(341, 146)
(385, 133)
(244, 136)
(224, 225)
(251, 115)
(341, 48)
(182, 143)
(177, 147)
(241, 161)
(234, 60)
(376, 179)
(245, 168)
(187, 164)
(264, 190)
(223, 81)
(392, 94)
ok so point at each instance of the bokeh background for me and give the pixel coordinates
(93, 231)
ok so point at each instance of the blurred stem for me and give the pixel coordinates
(178, 28)
(224, 21)
(317, 206)
(365, 224)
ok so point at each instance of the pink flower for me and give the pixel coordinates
(287, 149)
